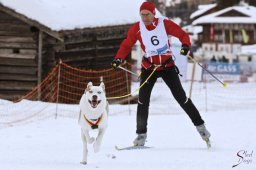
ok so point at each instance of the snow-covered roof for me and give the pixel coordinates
(70, 14)
(177, 20)
(202, 9)
(249, 11)
(193, 29)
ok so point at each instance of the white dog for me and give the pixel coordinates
(93, 115)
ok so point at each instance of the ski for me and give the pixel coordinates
(131, 147)
(208, 143)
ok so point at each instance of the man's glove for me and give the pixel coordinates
(116, 62)
(184, 50)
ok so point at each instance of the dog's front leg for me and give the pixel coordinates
(85, 150)
(97, 143)
(87, 136)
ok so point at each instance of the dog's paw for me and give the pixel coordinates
(83, 162)
(91, 140)
(96, 147)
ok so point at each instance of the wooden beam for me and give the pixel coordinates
(12, 94)
(18, 45)
(15, 27)
(15, 33)
(17, 77)
(18, 70)
(17, 62)
(39, 64)
(18, 56)
(17, 85)
(8, 39)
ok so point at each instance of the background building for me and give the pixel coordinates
(226, 31)
(34, 37)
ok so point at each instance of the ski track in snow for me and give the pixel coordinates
(55, 144)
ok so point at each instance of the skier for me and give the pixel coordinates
(153, 34)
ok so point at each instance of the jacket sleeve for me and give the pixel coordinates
(175, 30)
(127, 44)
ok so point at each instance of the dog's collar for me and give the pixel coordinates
(96, 124)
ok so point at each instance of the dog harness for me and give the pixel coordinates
(163, 65)
(96, 124)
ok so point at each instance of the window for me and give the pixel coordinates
(249, 58)
(16, 51)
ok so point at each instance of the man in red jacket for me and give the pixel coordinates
(153, 36)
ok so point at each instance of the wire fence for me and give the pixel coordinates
(59, 93)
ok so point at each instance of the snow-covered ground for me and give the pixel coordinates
(54, 144)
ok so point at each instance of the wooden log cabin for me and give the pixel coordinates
(225, 31)
(26, 53)
(29, 49)
(228, 26)
(91, 48)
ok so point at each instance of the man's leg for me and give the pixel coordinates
(143, 106)
(172, 80)
(143, 101)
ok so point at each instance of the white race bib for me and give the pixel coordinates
(155, 41)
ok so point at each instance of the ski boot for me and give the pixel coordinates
(140, 139)
(205, 134)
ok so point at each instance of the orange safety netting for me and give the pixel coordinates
(66, 84)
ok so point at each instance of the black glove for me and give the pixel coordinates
(184, 50)
(116, 62)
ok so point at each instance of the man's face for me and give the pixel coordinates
(147, 16)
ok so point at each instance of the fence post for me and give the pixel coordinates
(39, 67)
(192, 79)
(127, 86)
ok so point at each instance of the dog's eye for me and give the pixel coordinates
(99, 92)
(90, 91)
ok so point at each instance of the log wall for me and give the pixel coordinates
(92, 48)
(18, 57)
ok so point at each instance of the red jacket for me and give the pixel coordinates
(134, 35)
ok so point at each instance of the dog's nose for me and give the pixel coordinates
(94, 97)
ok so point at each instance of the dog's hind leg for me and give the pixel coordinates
(85, 150)
(97, 143)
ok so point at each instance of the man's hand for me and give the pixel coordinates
(116, 62)
(184, 50)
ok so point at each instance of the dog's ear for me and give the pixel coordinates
(102, 85)
(89, 85)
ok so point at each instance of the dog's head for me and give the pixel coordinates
(95, 95)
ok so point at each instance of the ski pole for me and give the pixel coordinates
(128, 71)
(223, 83)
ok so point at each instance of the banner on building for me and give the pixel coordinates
(212, 33)
(224, 71)
(245, 36)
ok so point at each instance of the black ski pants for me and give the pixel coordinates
(171, 78)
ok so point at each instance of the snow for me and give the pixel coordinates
(202, 9)
(66, 14)
(55, 143)
(193, 29)
(193, 32)
(249, 11)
